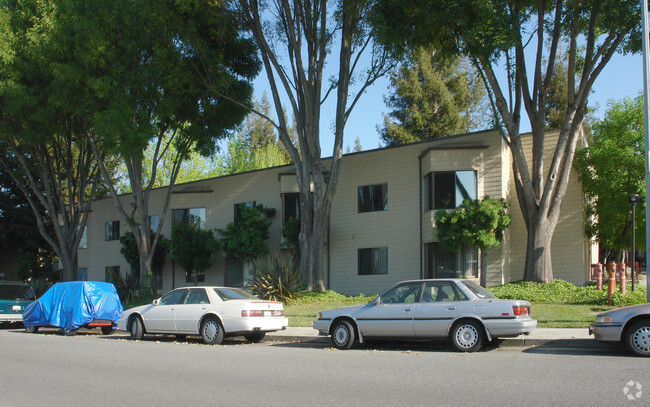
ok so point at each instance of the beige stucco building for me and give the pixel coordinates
(382, 224)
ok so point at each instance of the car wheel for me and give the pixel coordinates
(467, 336)
(107, 330)
(343, 335)
(70, 332)
(212, 331)
(637, 338)
(255, 336)
(31, 329)
(136, 331)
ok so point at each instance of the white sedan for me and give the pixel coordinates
(460, 310)
(211, 312)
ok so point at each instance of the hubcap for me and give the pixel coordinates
(641, 339)
(341, 335)
(467, 336)
(211, 329)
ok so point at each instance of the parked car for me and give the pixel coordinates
(73, 305)
(211, 312)
(458, 309)
(630, 325)
(14, 297)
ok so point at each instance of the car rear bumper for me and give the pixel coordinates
(606, 332)
(510, 327)
(11, 317)
(261, 324)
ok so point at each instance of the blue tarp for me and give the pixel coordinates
(73, 304)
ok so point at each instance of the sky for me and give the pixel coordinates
(621, 77)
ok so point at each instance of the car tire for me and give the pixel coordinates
(637, 338)
(467, 336)
(70, 332)
(212, 331)
(255, 336)
(136, 330)
(343, 335)
(107, 330)
(31, 329)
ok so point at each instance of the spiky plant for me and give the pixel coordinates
(276, 279)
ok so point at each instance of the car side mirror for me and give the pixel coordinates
(156, 301)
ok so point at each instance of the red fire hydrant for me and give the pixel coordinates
(623, 276)
(611, 284)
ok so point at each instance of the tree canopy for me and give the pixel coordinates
(610, 169)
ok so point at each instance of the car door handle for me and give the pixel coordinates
(407, 310)
(451, 308)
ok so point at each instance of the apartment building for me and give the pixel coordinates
(382, 227)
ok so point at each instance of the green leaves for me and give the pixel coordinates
(479, 223)
(245, 239)
(276, 279)
(192, 247)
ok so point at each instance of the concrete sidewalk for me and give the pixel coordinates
(555, 337)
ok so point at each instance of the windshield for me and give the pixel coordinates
(478, 291)
(227, 294)
(16, 293)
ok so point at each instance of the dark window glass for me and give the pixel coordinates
(403, 293)
(112, 230)
(449, 189)
(172, 298)
(427, 192)
(16, 292)
(373, 261)
(440, 263)
(373, 198)
(197, 296)
(290, 206)
(193, 216)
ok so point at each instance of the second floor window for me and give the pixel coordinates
(193, 216)
(373, 198)
(112, 230)
(448, 189)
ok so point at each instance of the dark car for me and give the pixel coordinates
(73, 305)
(14, 297)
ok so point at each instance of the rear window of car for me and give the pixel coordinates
(12, 292)
(228, 294)
(478, 291)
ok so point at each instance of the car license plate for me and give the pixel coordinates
(268, 313)
(17, 308)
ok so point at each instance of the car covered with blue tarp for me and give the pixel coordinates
(73, 305)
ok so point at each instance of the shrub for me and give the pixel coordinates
(127, 286)
(276, 279)
(563, 292)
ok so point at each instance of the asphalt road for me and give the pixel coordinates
(94, 370)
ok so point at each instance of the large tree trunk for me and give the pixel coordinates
(538, 265)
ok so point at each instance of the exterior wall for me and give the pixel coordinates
(402, 229)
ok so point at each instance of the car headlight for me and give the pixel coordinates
(320, 315)
(604, 318)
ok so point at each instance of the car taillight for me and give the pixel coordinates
(520, 310)
(257, 313)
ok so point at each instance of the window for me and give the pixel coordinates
(447, 190)
(441, 291)
(240, 206)
(197, 296)
(83, 243)
(112, 230)
(82, 274)
(373, 261)
(440, 263)
(111, 274)
(403, 293)
(193, 216)
(189, 277)
(154, 223)
(172, 298)
(373, 198)
(290, 206)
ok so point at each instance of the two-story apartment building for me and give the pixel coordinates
(382, 227)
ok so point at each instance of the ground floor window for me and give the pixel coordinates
(373, 261)
(440, 263)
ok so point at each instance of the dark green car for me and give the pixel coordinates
(14, 297)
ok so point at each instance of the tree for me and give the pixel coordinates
(246, 238)
(131, 253)
(307, 31)
(147, 73)
(433, 96)
(610, 169)
(192, 248)
(498, 35)
(42, 145)
(479, 223)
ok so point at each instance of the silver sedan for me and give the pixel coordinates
(460, 310)
(630, 325)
